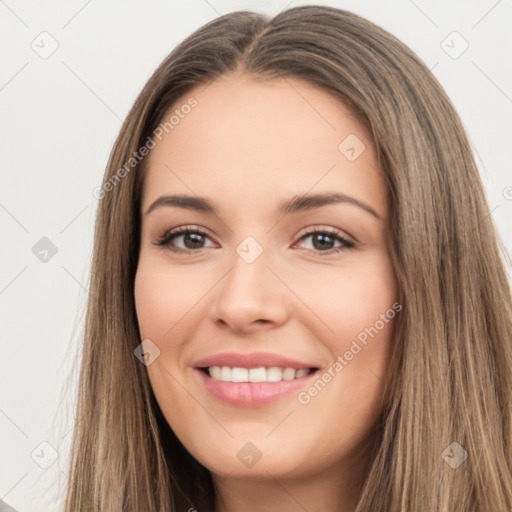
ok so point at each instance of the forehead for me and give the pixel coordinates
(246, 140)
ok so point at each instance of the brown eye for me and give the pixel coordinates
(323, 241)
(190, 239)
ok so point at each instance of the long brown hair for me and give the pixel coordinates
(450, 388)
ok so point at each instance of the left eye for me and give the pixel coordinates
(322, 241)
(193, 239)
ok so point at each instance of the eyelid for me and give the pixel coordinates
(347, 242)
(327, 229)
(168, 234)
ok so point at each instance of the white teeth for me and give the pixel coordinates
(239, 374)
(216, 372)
(261, 374)
(258, 375)
(274, 374)
(288, 374)
(225, 373)
(301, 373)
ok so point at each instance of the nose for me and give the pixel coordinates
(250, 297)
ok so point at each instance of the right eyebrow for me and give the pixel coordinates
(182, 201)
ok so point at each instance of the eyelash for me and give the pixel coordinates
(165, 240)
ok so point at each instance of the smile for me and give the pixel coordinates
(252, 379)
(261, 374)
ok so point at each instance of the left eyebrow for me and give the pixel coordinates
(296, 204)
(311, 201)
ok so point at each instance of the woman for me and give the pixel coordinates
(232, 358)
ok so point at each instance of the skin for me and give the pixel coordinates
(247, 146)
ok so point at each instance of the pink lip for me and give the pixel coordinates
(251, 394)
(252, 360)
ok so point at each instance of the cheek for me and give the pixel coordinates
(346, 301)
(164, 302)
(347, 395)
(168, 306)
(355, 317)
(164, 299)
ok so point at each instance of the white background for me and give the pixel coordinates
(60, 117)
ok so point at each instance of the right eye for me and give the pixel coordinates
(191, 237)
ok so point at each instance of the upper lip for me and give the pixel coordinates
(251, 360)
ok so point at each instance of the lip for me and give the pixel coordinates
(252, 360)
(251, 394)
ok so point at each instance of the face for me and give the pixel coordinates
(231, 283)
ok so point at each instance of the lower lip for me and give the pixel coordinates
(251, 394)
